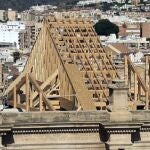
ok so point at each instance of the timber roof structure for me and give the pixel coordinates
(68, 69)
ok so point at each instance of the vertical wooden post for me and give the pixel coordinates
(31, 100)
(27, 92)
(139, 92)
(129, 78)
(147, 70)
(15, 97)
(126, 70)
(44, 106)
(41, 101)
(147, 79)
(135, 87)
(147, 100)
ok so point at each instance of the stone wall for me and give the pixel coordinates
(75, 130)
(48, 117)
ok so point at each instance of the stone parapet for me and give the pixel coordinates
(94, 128)
(55, 116)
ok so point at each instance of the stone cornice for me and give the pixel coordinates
(71, 128)
(122, 128)
(121, 131)
(145, 127)
(55, 131)
(51, 128)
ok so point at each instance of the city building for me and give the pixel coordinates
(132, 29)
(9, 33)
(20, 63)
(3, 15)
(145, 29)
(27, 16)
(28, 36)
(91, 14)
(135, 2)
(6, 56)
(12, 15)
(42, 8)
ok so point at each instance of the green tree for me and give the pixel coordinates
(105, 27)
(16, 56)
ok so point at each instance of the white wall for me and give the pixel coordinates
(10, 37)
(9, 33)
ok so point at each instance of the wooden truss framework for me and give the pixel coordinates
(68, 69)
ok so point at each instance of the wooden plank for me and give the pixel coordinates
(41, 102)
(38, 88)
(82, 94)
(18, 82)
(15, 97)
(126, 70)
(27, 93)
(43, 86)
(135, 87)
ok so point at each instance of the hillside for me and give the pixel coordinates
(25, 4)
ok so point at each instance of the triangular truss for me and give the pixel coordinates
(68, 69)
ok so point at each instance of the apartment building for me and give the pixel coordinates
(129, 29)
(28, 36)
(3, 15)
(6, 56)
(145, 29)
(9, 33)
(135, 2)
(86, 14)
(27, 16)
(12, 15)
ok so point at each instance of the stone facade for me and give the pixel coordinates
(74, 130)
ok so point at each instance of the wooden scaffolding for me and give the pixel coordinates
(68, 69)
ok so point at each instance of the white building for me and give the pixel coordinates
(120, 1)
(9, 32)
(136, 58)
(88, 2)
(6, 56)
(20, 63)
(42, 8)
(132, 41)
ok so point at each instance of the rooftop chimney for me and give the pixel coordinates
(118, 93)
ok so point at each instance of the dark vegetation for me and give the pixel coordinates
(105, 27)
(21, 5)
(16, 56)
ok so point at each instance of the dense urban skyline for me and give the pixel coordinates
(74, 75)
